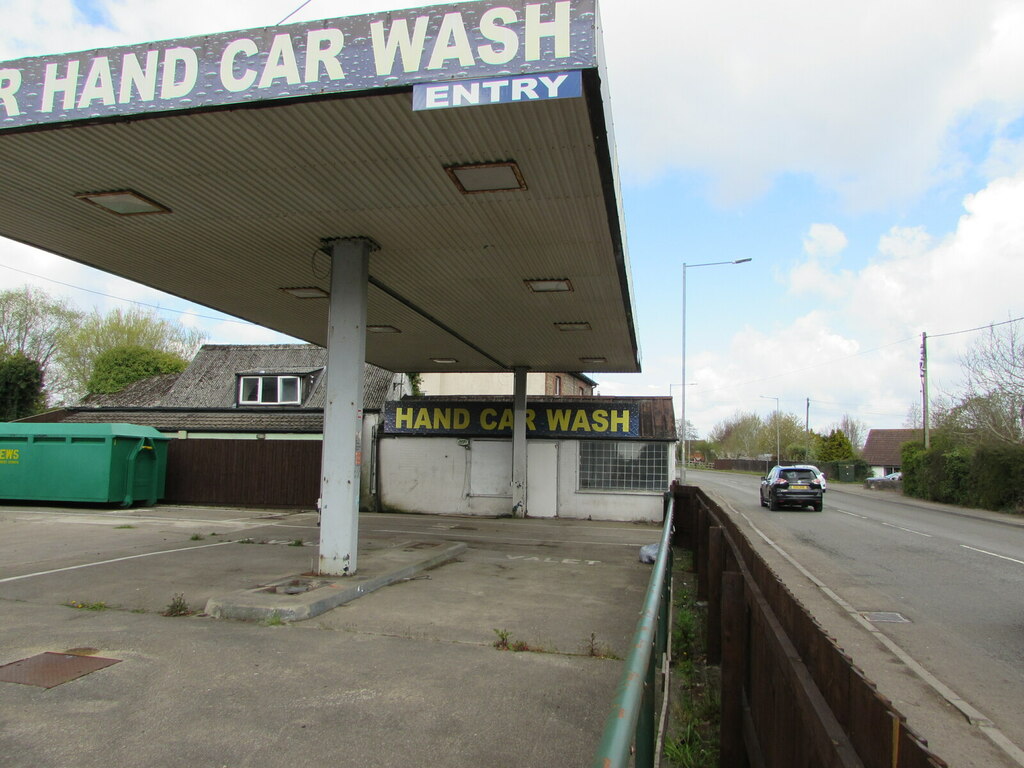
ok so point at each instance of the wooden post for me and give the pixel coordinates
(715, 562)
(732, 751)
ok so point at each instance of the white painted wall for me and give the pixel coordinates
(455, 383)
(435, 475)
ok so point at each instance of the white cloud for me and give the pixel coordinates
(860, 96)
(824, 241)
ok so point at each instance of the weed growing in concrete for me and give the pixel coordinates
(86, 606)
(196, 537)
(274, 620)
(177, 606)
(295, 543)
(502, 642)
(245, 541)
(595, 649)
(506, 643)
(123, 526)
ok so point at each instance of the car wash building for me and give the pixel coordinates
(432, 189)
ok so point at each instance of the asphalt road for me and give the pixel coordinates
(956, 576)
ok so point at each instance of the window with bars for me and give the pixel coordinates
(623, 465)
(269, 390)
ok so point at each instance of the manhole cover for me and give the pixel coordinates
(885, 617)
(49, 669)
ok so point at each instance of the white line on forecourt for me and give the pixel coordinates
(115, 560)
(976, 718)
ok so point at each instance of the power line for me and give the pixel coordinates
(128, 301)
(282, 21)
(971, 330)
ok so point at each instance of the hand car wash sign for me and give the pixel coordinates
(587, 420)
(498, 46)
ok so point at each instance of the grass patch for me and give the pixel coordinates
(295, 543)
(274, 620)
(196, 537)
(100, 606)
(693, 730)
(123, 526)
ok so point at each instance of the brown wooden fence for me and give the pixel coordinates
(790, 697)
(256, 473)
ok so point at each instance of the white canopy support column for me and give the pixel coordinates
(519, 493)
(343, 407)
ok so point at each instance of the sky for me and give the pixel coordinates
(867, 157)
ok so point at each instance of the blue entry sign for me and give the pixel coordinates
(496, 90)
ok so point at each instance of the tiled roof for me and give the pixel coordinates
(882, 448)
(202, 398)
(215, 420)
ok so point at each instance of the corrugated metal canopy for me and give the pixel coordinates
(253, 191)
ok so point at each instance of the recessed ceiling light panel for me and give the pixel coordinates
(549, 285)
(573, 326)
(443, 360)
(382, 329)
(486, 177)
(123, 202)
(307, 292)
(594, 360)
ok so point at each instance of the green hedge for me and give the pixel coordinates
(989, 477)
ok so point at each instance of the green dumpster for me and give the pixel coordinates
(101, 463)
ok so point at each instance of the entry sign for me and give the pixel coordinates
(497, 90)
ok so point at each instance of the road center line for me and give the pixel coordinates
(115, 560)
(993, 554)
(908, 530)
(851, 514)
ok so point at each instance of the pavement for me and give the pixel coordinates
(406, 674)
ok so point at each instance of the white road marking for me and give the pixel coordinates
(115, 560)
(505, 539)
(986, 552)
(908, 530)
(851, 514)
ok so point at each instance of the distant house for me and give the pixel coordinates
(228, 399)
(882, 448)
(447, 384)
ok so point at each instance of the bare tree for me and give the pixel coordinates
(738, 436)
(992, 407)
(856, 431)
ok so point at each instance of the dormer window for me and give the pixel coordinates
(269, 390)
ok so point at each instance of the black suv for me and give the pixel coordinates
(791, 486)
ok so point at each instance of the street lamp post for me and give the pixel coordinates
(682, 400)
(778, 433)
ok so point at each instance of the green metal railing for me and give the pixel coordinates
(632, 721)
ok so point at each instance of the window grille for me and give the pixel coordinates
(623, 465)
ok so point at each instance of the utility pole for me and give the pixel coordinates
(807, 429)
(924, 388)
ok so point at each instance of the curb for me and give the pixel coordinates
(319, 595)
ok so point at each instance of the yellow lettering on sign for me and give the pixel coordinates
(530, 414)
(558, 421)
(461, 420)
(403, 418)
(581, 423)
(442, 418)
(599, 420)
(620, 421)
(487, 416)
(506, 419)
(422, 419)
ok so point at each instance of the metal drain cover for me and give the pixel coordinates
(885, 617)
(49, 669)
